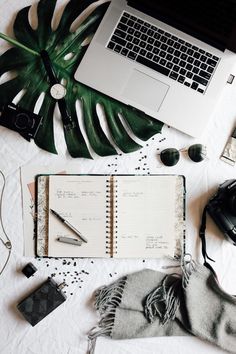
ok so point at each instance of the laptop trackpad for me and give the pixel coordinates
(145, 90)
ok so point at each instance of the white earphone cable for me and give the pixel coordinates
(7, 242)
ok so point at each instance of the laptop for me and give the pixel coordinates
(170, 59)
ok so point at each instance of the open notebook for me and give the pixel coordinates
(121, 216)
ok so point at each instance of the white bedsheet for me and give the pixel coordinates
(65, 330)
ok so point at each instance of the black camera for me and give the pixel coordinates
(222, 209)
(20, 120)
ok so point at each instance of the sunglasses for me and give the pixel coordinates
(171, 156)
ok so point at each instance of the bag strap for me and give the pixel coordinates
(202, 236)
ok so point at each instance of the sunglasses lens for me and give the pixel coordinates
(169, 157)
(197, 152)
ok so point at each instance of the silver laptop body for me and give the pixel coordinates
(185, 103)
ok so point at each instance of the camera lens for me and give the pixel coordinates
(23, 121)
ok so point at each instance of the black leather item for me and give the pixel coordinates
(41, 302)
(29, 270)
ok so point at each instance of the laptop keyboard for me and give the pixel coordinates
(163, 52)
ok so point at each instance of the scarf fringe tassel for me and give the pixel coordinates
(107, 299)
(163, 302)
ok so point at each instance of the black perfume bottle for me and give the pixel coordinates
(42, 301)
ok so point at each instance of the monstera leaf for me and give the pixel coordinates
(66, 49)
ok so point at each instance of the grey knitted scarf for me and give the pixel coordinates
(149, 303)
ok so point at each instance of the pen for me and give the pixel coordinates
(71, 227)
(71, 241)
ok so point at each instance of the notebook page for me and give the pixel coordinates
(146, 216)
(81, 200)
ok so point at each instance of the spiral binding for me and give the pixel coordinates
(111, 216)
(108, 217)
(115, 215)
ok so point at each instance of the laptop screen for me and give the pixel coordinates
(213, 21)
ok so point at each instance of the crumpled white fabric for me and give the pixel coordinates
(65, 330)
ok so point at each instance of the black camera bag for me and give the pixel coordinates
(222, 209)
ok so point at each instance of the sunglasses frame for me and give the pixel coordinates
(196, 153)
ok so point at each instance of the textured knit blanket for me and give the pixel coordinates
(149, 303)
